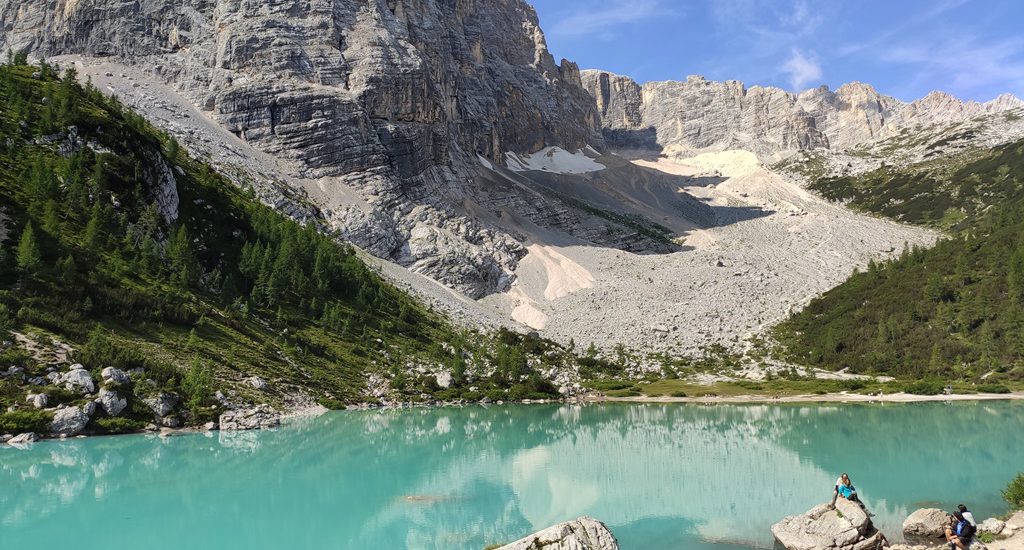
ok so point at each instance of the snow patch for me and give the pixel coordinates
(557, 160)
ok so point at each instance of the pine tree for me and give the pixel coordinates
(29, 257)
(184, 265)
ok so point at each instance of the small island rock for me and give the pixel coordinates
(583, 533)
(847, 527)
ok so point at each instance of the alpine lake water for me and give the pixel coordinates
(660, 475)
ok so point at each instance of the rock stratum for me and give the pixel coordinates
(699, 115)
(381, 107)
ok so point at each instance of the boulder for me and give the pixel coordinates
(114, 376)
(444, 379)
(259, 417)
(925, 526)
(992, 525)
(78, 380)
(111, 402)
(38, 400)
(583, 533)
(847, 527)
(69, 421)
(162, 404)
(22, 439)
(257, 382)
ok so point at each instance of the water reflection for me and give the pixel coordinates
(659, 475)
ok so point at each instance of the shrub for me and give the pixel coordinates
(925, 387)
(117, 425)
(993, 388)
(1013, 494)
(678, 394)
(25, 421)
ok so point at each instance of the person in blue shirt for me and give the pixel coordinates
(959, 532)
(844, 488)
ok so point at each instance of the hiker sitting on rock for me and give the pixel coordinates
(844, 488)
(967, 514)
(959, 532)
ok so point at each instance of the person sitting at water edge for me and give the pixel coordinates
(959, 532)
(967, 514)
(844, 487)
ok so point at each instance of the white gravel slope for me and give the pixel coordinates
(779, 247)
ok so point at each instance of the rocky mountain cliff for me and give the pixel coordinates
(702, 115)
(391, 99)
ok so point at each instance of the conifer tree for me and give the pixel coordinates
(29, 257)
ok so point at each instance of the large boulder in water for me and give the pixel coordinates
(847, 527)
(926, 526)
(583, 533)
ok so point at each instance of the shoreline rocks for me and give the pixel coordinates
(583, 533)
(69, 421)
(256, 418)
(925, 526)
(847, 527)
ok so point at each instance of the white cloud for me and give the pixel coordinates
(802, 70)
(964, 65)
(602, 20)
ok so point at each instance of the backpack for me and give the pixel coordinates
(965, 530)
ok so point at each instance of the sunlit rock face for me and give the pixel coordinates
(392, 98)
(698, 115)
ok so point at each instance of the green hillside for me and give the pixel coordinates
(955, 311)
(228, 290)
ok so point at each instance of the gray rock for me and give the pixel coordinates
(22, 439)
(112, 403)
(162, 404)
(38, 400)
(259, 417)
(847, 527)
(584, 533)
(78, 380)
(992, 525)
(69, 421)
(4, 438)
(699, 114)
(925, 526)
(111, 375)
(89, 408)
(257, 382)
(444, 379)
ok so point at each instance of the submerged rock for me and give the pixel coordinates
(259, 417)
(925, 526)
(585, 533)
(847, 527)
(69, 421)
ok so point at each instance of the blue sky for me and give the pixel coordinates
(906, 48)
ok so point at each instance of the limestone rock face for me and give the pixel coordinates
(69, 421)
(584, 533)
(846, 528)
(389, 99)
(701, 115)
(925, 526)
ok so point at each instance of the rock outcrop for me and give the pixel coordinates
(699, 115)
(583, 533)
(256, 418)
(381, 106)
(69, 421)
(847, 527)
(925, 526)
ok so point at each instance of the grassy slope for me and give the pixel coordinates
(199, 310)
(951, 312)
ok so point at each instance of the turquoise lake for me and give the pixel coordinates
(661, 476)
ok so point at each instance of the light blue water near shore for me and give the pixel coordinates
(661, 476)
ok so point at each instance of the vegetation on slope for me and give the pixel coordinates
(954, 312)
(945, 192)
(227, 290)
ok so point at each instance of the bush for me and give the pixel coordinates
(117, 425)
(678, 394)
(993, 388)
(925, 387)
(1013, 494)
(25, 421)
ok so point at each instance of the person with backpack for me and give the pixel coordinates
(967, 514)
(959, 532)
